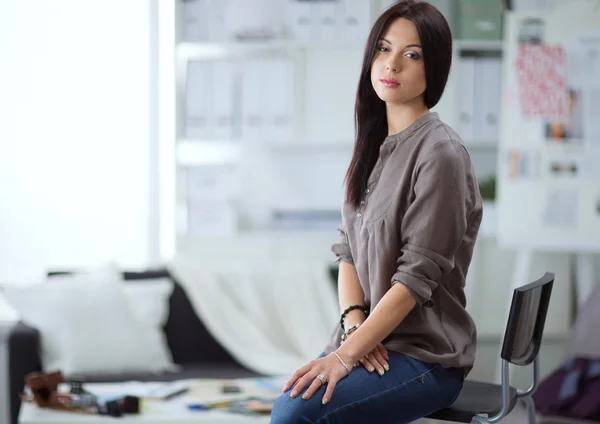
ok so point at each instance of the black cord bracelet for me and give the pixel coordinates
(352, 308)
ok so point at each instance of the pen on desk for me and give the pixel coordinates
(176, 393)
(196, 407)
(208, 405)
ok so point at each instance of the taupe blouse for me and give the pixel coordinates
(417, 225)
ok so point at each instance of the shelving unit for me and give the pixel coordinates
(199, 151)
(479, 45)
(269, 168)
(215, 50)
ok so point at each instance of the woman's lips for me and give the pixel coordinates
(389, 83)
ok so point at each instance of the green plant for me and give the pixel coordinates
(488, 188)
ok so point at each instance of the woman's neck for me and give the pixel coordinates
(401, 116)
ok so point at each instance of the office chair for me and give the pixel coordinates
(484, 403)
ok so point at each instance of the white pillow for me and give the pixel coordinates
(149, 301)
(89, 326)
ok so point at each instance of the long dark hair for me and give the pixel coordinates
(370, 120)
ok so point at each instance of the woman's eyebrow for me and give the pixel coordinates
(409, 45)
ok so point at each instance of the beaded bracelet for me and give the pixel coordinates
(346, 333)
(351, 308)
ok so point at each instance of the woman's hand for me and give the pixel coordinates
(376, 360)
(328, 367)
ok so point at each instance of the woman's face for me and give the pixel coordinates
(398, 72)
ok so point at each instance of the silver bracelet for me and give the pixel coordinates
(342, 361)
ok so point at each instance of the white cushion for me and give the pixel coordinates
(92, 323)
(149, 301)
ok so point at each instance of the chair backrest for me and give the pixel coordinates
(526, 320)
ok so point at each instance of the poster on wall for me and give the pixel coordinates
(549, 161)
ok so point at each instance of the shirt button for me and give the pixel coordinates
(362, 202)
(359, 215)
(368, 190)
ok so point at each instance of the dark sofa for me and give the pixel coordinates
(192, 347)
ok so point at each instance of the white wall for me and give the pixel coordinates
(74, 134)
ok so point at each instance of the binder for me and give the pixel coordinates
(357, 16)
(491, 69)
(216, 10)
(466, 86)
(530, 5)
(195, 17)
(479, 93)
(222, 121)
(277, 104)
(198, 99)
(301, 20)
(519, 5)
(479, 20)
(326, 20)
(253, 88)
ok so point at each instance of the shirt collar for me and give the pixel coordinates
(402, 135)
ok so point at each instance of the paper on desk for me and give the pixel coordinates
(199, 390)
(139, 388)
(210, 390)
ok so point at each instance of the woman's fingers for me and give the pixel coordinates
(329, 391)
(314, 386)
(300, 372)
(375, 361)
(289, 383)
(302, 383)
(367, 364)
(381, 364)
(383, 351)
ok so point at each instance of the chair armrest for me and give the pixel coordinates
(23, 345)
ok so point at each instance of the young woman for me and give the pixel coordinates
(410, 220)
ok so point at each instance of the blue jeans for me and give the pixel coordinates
(410, 390)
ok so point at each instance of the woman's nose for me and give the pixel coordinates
(392, 65)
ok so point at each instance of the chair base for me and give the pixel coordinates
(476, 398)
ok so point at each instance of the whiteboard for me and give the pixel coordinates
(548, 194)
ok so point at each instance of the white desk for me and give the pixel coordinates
(156, 412)
(31, 414)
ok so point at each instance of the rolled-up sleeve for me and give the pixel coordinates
(341, 248)
(435, 222)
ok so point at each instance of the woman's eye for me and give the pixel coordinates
(382, 49)
(412, 55)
